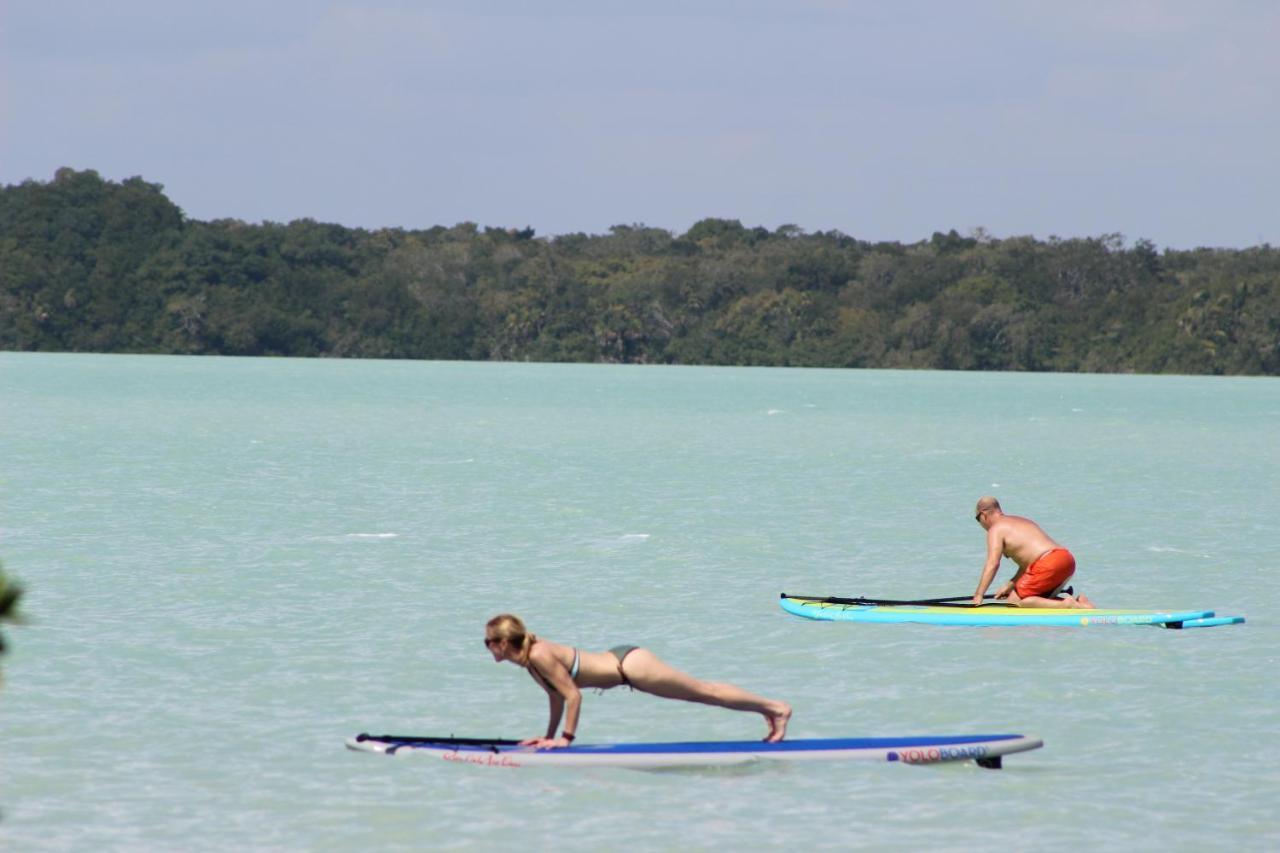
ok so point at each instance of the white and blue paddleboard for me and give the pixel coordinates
(986, 750)
(832, 609)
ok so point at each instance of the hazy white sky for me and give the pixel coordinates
(886, 121)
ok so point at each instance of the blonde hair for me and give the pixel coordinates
(507, 626)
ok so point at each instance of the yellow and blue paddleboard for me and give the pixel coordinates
(831, 609)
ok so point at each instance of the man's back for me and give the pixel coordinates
(1022, 540)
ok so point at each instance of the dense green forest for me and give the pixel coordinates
(88, 265)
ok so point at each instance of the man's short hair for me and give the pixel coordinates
(987, 503)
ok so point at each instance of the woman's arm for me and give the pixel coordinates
(557, 709)
(562, 694)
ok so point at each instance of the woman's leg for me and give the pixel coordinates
(646, 672)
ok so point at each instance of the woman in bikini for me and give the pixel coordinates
(563, 671)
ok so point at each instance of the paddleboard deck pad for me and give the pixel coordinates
(985, 750)
(833, 609)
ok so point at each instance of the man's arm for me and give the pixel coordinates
(995, 551)
(1007, 586)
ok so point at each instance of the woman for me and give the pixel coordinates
(562, 671)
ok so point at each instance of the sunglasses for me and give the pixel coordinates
(490, 642)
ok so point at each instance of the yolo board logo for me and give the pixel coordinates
(934, 754)
(1134, 619)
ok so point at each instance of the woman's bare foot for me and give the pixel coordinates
(778, 719)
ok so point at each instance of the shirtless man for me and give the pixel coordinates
(1043, 565)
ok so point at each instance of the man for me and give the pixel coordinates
(1044, 566)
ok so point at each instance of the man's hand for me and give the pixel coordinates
(1003, 592)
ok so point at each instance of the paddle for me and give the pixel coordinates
(451, 741)
(953, 601)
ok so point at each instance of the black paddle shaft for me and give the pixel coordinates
(447, 741)
(953, 601)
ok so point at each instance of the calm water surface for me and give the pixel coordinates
(233, 564)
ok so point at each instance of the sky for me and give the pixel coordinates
(885, 121)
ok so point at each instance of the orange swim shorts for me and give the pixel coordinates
(1046, 574)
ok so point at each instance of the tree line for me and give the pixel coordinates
(89, 265)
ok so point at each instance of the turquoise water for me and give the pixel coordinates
(234, 564)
